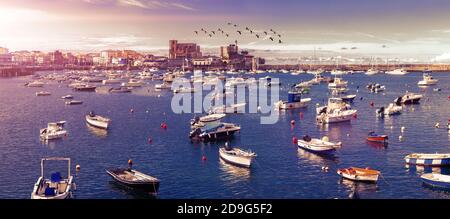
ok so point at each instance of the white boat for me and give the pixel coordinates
(236, 156)
(304, 84)
(162, 86)
(338, 83)
(98, 121)
(56, 187)
(233, 108)
(112, 81)
(54, 130)
(338, 72)
(399, 71)
(153, 69)
(294, 101)
(133, 83)
(67, 97)
(318, 145)
(35, 84)
(42, 93)
(409, 98)
(376, 88)
(359, 174)
(391, 109)
(73, 102)
(231, 82)
(184, 90)
(372, 72)
(436, 180)
(421, 159)
(336, 116)
(427, 80)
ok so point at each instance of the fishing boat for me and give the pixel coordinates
(427, 80)
(216, 132)
(74, 102)
(236, 156)
(67, 97)
(399, 71)
(428, 159)
(56, 187)
(348, 98)
(391, 109)
(436, 180)
(54, 130)
(336, 111)
(233, 108)
(359, 174)
(43, 93)
(98, 121)
(294, 101)
(35, 84)
(373, 137)
(409, 98)
(317, 145)
(135, 179)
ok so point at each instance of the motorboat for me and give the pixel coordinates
(98, 121)
(67, 97)
(217, 132)
(372, 71)
(317, 145)
(340, 90)
(56, 187)
(120, 90)
(35, 84)
(54, 130)
(210, 120)
(233, 108)
(422, 159)
(409, 98)
(436, 180)
(391, 109)
(376, 88)
(236, 156)
(43, 93)
(399, 71)
(184, 90)
(135, 179)
(359, 174)
(73, 102)
(303, 84)
(294, 101)
(338, 72)
(112, 81)
(336, 111)
(133, 83)
(373, 137)
(348, 98)
(162, 86)
(91, 79)
(337, 83)
(427, 80)
(85, 87)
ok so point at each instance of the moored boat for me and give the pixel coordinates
(377, 138)
(67, 97)
(42, 93)
(359, 174)
(97, 121)
(391, 109)
(294, 101)
(409, 98)
(54, 130)
(217, 132)
(427, 80)
(135, 179)
(317, 145)
(422, 159)
(74, 102)
(35, 84)
(236, 156)
(56, 187)
(436, 180)
(348, 98)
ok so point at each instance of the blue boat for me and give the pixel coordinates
(436, 180)
(428, 159)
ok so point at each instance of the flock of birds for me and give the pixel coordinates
(270, 34)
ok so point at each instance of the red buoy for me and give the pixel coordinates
(292, 122)
(355, 115)
(204, 158)
(301, 115)
(294, 140)
(163, 125)
(371, 103)
(150, 140)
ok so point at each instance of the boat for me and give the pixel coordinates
(210, 120)
(112, 81)
(304, 84)
(336, 111)
(67, 97)
(391, 109)
(233, 108)
(98, 121)
(35, 84)
(294, 101)
(348, 98)
(162, 86)
(337, 83)
(42, 93)
(135, 179)
(399, 71)
(376, 88)
(56, 187)
(372, 71)
(120, 90)
(84, 87)
(236, 156)
(184, 90)
(409, 98)
(422, 159)
(436, 180)
(317, 145)
(133, 83)
(216, 132)
(338, 72)
(74, 102)
(373, 137)
(54, 130)
(427, 80)
(359, 174)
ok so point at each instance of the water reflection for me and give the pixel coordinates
(415, 169)
(101, 133)
(130, 193)
(356, 188)
(378, 145)
(235, 173)
(322, 159)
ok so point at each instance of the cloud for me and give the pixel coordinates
(133, 3)
(442, 57)
(145, 4)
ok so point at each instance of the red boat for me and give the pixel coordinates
(373, 137)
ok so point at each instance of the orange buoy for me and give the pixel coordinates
(294, 140)
(130, 162)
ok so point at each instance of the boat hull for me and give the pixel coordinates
(315, 148)
(436, 180)
(294, 105)
(360, 178)
(380, 139)
(236, 160)
(435, 162)
(151, 187)
(96, 123)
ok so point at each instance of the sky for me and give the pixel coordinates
(406, 28)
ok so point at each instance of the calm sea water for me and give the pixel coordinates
(280, 170)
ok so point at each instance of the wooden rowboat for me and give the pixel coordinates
(359, 174)
(377, 138)
(134, 179)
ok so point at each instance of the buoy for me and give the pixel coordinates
(355, 116)
(400, 137)
(146, 111)
(325, 138)
(348, 134)
(163, 125)
(131, 110)
(204, 158)
(301, 115)
(317, 104)
(294, 140)
(392, 127)
(150, 140)
(402, 129)
(259, 108)
(77, 167)
(292, 122)
(159, 95)
(437, 125)
(130, 162)
(371, 103)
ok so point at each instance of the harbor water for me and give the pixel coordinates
(280, 170)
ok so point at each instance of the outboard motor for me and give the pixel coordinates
(380, 111)
(307, 138)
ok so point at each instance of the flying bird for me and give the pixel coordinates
(265, 32)
(235, 25)
(229, 23)
(210, 35)
(279, 35)
(240, 33)
(213, 32)
(279, 41)
(226, 35)
(257, 36)
(246, 28)
(343, 48)
(196, 32)
(354, 47)
(251, 31)
(271, 38)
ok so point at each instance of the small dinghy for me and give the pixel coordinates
(134, 179)
(67, 97)
(436, 180)
(373, 137)
(56, 187)
(428, 159)
(359, 174)
(318, 145)
(42, 93)
(348, 98)
(74, 102)
(97, 121)
(236, 156)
